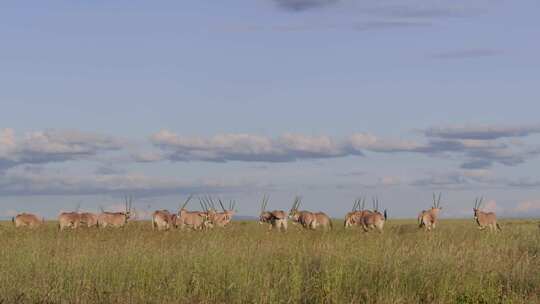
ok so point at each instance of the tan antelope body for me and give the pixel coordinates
(308, 219)
(27, 220)
(115, 219)
(163, 220)
(485, 219)
(196, 220)
(89, 219)
(69, 220)
(354, 218)
(375, 219)
(323, 220)
(222, 219)
(276, 219)
(429, 218)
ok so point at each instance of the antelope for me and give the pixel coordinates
(162, 220)
(195, 220)
(89, 219)
(69, 220)
(27, 220)
(323, 220)
(355, 216)
(429, 218)
(222, 219)
(276, 219)
(374, 219)
(116, 219)
(307, 219)
(485, 219)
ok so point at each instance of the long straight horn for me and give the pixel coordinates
(187, 201)
(480, 202)
(207, 203)
(130, 202)
(297, 201)
(221, 203)
(210, 202)
(262, 204)
(354, 205)
(434, 200)
(201, 203)
(439, 200)
(377, 203)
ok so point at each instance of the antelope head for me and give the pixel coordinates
(231, 211)
(477, 206)
(264, 216)
(437, 202)
(128, 202)
(294, 214)
(376, 208)
(182, 208)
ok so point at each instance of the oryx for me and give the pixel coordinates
(196, 220)
(27, 220)
(69, 220)
(222, 219)
(275, 219)
(307, 219)
(323, 220)
(354, 218)
(116, 219)
(374, 219)
(89, 219)
(162, 220)
(485, 219)
(429, 218)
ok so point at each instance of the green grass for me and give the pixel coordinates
(246, 263)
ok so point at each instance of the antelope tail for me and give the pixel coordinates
(13, 219)
(498, 227)
(331, 225)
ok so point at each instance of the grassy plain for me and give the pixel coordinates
(246, 263)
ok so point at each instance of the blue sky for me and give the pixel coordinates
(328, 99)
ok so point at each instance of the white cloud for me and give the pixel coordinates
(52, 146)
(246, 147)
(360, 141)
(476, 147)
(482, 132)
(491, 206)
(18, 181)
(528, 206)
(390, 181)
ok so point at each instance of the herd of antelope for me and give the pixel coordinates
(209, 217)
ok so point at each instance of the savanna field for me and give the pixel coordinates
(246, 263)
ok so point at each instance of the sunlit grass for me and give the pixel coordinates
(246, 263)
